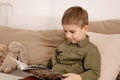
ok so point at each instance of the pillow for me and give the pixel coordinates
(109, 47)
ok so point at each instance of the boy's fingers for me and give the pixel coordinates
(66, 75)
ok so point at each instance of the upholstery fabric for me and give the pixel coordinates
(40, 44)
(108, 26)
(109, 47)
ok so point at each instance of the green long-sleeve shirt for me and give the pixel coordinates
(81, 58)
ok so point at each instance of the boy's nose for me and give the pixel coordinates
(68, 35)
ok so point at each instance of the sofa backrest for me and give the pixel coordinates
(41, 44)
(108, 26)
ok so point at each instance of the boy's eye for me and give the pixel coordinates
(69, 31)
(65, 31)
(72, 32)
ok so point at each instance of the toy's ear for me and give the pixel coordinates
(23, 54)
(4, 46)
(3, 49)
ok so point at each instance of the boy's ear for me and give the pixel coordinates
(85, 28)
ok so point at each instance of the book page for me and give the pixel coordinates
(24, 66)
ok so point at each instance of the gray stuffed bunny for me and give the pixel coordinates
(17, 51)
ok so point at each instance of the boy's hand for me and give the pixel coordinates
(71, 76)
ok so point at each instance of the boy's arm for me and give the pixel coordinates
(71, 76)
(92, 64)
(51, 62)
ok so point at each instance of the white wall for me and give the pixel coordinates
(30, 7)
(97, 9)
(46, 14)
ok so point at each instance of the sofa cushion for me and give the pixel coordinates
(40, 44)
(109, 47)
(4, 76)
(108, 26)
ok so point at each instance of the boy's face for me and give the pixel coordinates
(74, 33)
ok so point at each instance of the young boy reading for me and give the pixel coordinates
(77, 58)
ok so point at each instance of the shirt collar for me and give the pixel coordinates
(81, 43)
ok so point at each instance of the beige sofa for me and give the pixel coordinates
(42, 43)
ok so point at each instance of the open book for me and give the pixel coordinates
(23, 66)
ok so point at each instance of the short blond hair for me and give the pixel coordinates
(75, 15)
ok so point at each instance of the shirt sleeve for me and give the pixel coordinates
(92, 64)
(51, 62)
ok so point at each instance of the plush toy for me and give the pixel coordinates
(3, 52)
(17, 51)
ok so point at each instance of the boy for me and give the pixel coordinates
(76, 58)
